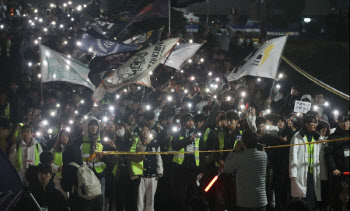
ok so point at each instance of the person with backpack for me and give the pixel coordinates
(26, 152)
(82, 184)
(86, 146)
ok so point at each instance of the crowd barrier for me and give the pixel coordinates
(210, 151)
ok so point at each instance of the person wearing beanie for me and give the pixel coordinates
(306, 98)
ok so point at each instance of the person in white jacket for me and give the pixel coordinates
(25, 152)
(307, 166)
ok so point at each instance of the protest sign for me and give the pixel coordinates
(302, 107)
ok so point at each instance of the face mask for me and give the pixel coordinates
(120, 133)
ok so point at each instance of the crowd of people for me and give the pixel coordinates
(55, 135)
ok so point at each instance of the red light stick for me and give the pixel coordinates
(346, 173)
(212, 183)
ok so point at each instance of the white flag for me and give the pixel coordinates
(137, 69)
(58, 67)
(181, 54)
(263, 63)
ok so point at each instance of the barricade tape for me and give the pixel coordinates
(211, 151)
(315, 80)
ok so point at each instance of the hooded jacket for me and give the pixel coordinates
(76, 147)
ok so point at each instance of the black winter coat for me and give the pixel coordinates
(334, 151)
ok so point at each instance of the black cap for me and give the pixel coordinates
(199, 118)
(44, 168)
(232, 115)
(222, 117)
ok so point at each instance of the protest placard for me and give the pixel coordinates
(302, 107)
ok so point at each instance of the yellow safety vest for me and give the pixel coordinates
(206, 134)
(99, 166)
(179, 158)
(240, 132)
(310, 153)
(105, 101)
(222, 143)
(19, 157)
(58, 161)
(137, 168)
(7, 111)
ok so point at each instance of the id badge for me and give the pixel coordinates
(346, 152)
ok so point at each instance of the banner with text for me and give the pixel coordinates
(102, 47)
(136, 70)
(58, 67)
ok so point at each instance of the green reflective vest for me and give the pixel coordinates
(179, 158)
(105, 101)
(240, 132)
(205, 138)
(222, 141)
(85, 151)
(310, 153)
(17, 132)
(137, 168)
(7, 111)
(19, 157)
(58, 161)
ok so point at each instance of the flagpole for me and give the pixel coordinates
(41, 90)
(273, 86)
(126, 27)
(208, 12)
(169, 54)
(169, 6)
